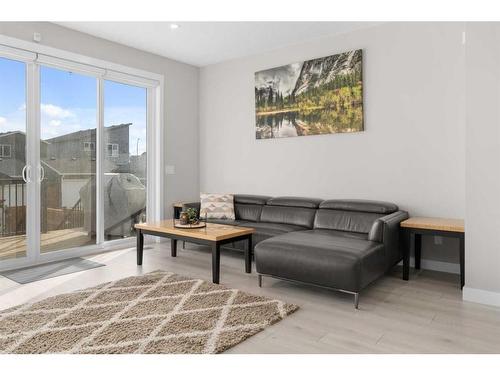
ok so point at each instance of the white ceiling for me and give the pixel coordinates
(205, 43)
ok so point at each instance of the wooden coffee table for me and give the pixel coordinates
(213, 235)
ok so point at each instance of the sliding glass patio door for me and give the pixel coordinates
(68, 108)
(125, 160)
(75, 142)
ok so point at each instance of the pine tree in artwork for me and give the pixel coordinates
(270, 100)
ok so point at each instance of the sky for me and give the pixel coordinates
(68, 103)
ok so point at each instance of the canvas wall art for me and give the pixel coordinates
(320, 96)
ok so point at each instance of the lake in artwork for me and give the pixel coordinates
(320, 96)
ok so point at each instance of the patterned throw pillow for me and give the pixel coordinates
(217, 206)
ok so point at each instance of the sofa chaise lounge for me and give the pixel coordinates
(338, 244)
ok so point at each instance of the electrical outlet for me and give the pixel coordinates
(37, 37)
(438, 240)
(170, 169)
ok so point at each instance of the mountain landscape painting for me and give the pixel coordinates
(320, 96)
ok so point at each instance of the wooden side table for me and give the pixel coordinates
(412, 230)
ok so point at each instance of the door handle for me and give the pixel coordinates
(42, 173)
(23, 173)
(26, 173)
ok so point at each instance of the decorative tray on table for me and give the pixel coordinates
(200, 224)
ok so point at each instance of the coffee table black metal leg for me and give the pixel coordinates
(405, 245)
(215, 262)
(173, 247)
(140, 246)
(418, 250)
(462, 261)
(248, 255)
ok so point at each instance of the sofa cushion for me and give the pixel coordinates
(359, 205)
(217, 206)
(264, 231)
(271, 227)
(251, 199)
(250, 212)
(349, 221)
(322, 258)
(295, 202)
(288, 215)
(224, 221)
(339, 233)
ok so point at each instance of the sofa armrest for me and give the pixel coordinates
(386, 230)
(386, 225)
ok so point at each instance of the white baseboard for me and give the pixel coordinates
(435, 265)
(481, 296)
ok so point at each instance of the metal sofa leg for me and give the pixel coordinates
(260, 281)
(356, 300)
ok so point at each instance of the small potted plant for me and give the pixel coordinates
(192, 215)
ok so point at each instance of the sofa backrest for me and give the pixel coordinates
(351, 215)
(249, 207)
(337, 214)
(290, 210)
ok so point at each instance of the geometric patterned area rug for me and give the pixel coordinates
(159, 312)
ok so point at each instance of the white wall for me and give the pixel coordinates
(482, 256)
(411, 152)
(181, 96)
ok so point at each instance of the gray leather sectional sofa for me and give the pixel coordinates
(339, 244)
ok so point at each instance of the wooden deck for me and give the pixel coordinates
(15, 246)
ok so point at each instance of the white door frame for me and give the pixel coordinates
(32, 157)
(35, 55)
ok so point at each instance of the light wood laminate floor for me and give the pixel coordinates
(423, 315)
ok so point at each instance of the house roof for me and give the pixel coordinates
(84, 133)
(17, 132)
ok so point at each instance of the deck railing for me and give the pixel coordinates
(12, 207)
(13, 211)
(73, 217)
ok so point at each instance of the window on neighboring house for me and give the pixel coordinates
(113, 150)
(5, 151)
(88, 146)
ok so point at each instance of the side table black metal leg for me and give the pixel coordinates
(405, 247)
(173, 247)
(418, 250)
(248, 255)
(215, 262)
(462, 260)
(140, 246)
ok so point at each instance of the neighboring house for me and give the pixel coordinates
(12, 154)
(73, 156)
(69, 161)
(74, 153)
(138, 166)
(12, 162)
